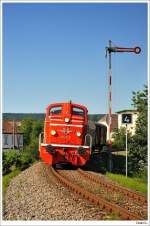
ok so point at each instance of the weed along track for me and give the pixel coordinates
(115, 203)
(133, 201)
(115, 188)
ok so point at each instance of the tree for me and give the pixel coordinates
(37, 128)
(31, 129)
(138, 144)
(26, 128)
(119, 138)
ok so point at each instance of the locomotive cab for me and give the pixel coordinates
(65, 137)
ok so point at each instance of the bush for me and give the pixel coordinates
(34, 148)
(119, 138)
(9, 159)
(24, 160)
(138, 148)
(119, 164)
(16, 159)
(142, 173)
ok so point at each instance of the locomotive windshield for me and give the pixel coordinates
(77, 111)
(55, 110)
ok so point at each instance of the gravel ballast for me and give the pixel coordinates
(36, 195)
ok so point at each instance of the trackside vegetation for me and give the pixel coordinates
(7, 178)
(21, 159)
(137, 144)
(133, 183)
(14, 161)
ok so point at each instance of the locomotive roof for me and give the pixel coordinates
(63, 103)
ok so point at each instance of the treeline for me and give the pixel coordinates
(22, 116)
(41, 116)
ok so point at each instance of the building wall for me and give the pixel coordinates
(9, 141)
(130, 126)
(103, 122)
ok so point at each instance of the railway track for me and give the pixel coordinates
(114, 187)
(108, 206)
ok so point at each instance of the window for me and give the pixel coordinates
(55, 110)
(77, 111)
(5, 139)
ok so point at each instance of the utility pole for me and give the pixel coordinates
(110, 96)
(110, 50)
(13, 134)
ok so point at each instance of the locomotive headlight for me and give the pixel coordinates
(53, 132)
(67, 119)
(78, 134)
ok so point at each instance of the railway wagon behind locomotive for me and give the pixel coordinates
(99, 135)
(65, 138)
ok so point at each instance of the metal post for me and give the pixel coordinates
(110, 96)
(111, 49)
(126, 151)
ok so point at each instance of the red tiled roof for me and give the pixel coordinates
(10, 126)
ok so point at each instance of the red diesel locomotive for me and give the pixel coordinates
(65, 138)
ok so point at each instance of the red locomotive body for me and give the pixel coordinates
(65, 135)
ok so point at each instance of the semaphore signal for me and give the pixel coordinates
(136, 50)
(110, 50)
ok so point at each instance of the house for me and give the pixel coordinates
(104, 121)
(12, 136)
(119, 120)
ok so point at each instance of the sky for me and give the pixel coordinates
(55, 52)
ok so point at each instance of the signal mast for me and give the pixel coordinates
(110, 50)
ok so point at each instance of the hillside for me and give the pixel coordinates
(41, 116)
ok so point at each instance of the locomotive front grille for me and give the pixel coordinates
(81, 151)
(50, 149)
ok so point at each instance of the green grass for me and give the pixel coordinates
(119, 153)
(7, 178)
(133, 183)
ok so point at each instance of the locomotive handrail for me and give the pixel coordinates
(40, 138)
(86, 136)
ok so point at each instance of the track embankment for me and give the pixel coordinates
(35, 194)
(126, 208)
(42, 193)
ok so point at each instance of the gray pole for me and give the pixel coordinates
(126, 152)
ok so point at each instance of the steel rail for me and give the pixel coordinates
(114, 187)
(102, 203)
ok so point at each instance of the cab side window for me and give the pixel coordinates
(55, 110)
(78, 111)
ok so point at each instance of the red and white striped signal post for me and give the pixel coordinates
(111, 49)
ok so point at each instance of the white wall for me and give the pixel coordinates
(130, 126)
(8, 141)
